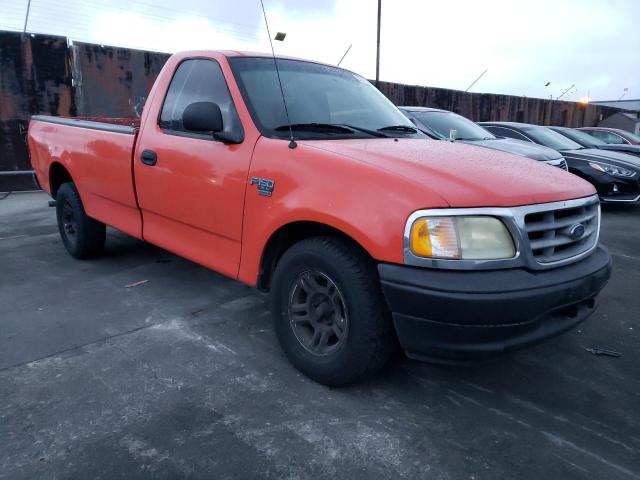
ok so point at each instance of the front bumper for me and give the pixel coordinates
(444, 315)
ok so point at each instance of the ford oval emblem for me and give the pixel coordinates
(576, 231)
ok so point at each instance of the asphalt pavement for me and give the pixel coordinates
(141, 364)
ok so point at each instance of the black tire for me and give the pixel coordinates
(367, 340)
(82, 236)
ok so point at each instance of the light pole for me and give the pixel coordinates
(26, 17)
(378, 46)
(550, 105)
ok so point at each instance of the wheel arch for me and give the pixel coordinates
(286, 236)
(58, 174)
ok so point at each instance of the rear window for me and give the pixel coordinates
(549, 138)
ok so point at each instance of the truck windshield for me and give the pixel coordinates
(549, 138)
(323, 102)
(444, 122)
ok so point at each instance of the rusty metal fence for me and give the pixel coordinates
(481, 107)
(42, 74)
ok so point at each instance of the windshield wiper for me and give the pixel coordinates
(365, 130)
(337, 128)
(315, 126)
(473, 139)
(398, 128)
(430, 132)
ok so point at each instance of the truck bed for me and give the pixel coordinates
(97, 152)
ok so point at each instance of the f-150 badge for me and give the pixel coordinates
(265, 185)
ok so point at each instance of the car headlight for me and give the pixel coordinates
(461, 238)
(612, 170)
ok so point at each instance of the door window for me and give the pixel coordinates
(608, 137)
(197, 80)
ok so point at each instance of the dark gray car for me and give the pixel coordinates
(615, 175)
(442, 124)
(589, 141)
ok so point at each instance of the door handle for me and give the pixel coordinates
(149, 157)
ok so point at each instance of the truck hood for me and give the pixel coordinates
(517, 147)
(460, 174)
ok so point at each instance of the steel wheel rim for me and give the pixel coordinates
(317, 313)
(69, 223)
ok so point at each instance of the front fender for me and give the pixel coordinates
(366, 203)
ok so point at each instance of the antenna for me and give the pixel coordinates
(345, 54)
(476, 80)
(292, 142)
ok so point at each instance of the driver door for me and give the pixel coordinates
(190, 186)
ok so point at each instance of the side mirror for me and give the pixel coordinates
(202, 117)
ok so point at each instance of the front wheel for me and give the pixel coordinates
(330, 317)
(82, 236)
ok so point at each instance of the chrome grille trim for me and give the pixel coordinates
(553, 217)
(559, 162)
(548, 232)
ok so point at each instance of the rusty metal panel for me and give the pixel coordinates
(113, 82)
(486, 106)
(34, 78)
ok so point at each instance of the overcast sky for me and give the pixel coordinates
(594, 44)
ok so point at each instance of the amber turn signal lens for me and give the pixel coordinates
(435, 237)
(420, 240)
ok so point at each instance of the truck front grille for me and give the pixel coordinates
(554, 235)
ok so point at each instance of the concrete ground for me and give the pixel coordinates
(182, 376)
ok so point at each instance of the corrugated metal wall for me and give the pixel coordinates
(42, 74)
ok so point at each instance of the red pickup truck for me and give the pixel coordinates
(366, 233)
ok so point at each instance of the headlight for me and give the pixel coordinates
(461, 238)
(612, 170)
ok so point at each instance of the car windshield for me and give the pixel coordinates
(582, 137)
(549, 138)
(322, 101)
(444, 122)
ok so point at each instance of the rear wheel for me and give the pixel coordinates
(329, 314)
(82, 236)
